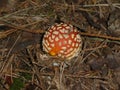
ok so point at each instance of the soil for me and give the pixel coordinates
(25, 66)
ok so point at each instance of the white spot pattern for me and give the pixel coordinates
(53, 45)
(64, 48)
(50, 39)
(65, 42)
(66, 31)
(65, 36)
(72, 35)
(69, 41)
(76, 44)
(67, 27)
(56, 39)
(61, 30)
(56, 32)
(60, 44)
(60, 36)
(71, 45)
(53, 36)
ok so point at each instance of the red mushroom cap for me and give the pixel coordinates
(62, 40)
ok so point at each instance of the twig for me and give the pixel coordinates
(6, 33)
(100, 36)
(66, 75)
(36, 71)
(19, 11)
(6, 61)
(101, 5)
(81, 7)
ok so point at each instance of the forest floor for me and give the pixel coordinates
(25, 66)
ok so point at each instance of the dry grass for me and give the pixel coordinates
(25, 66)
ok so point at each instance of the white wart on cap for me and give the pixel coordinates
(62, 40)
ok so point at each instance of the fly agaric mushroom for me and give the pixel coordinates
(62, 40)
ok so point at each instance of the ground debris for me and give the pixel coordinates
(25, 66)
